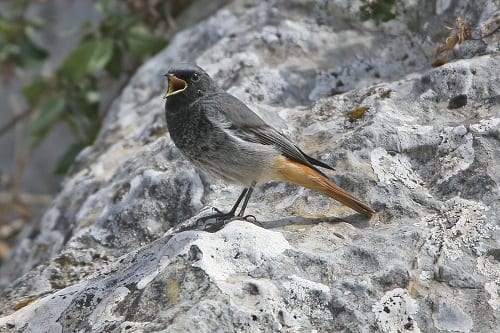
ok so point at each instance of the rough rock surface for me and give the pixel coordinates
(104, 257)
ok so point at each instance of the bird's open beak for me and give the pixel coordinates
(175, 85)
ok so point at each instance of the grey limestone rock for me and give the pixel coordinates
(108, 254)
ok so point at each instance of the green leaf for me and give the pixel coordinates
(31, 52)
(66, 160)
(115, 64)
(37, 23)
(4, 55)
(92, 97)
(101, 56)
(141, 42)
(81, 28)
(378, 11)
(34, 90)
(104, 6)
(6, 28)
(12, 50)
(89, 57)
(75, 64)
(48, 114)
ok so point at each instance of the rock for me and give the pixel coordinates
(395, 312)
(450, 317)
(109, 253)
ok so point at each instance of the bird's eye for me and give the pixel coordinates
(195, 77)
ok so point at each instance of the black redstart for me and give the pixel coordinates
(220, 135)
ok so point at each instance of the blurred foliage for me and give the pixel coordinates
(17, 46)
(72, 94)
(377, 10)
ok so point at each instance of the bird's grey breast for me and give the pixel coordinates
(204, 136)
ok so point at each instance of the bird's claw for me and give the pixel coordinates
(249, 218)
(215, 209)
(219, 223)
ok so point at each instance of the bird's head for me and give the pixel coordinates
(189, 82)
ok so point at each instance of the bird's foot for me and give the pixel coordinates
(220, 219)
(218, 216)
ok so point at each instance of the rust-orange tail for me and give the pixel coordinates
(300, 174)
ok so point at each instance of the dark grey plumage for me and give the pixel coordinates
(221, 135)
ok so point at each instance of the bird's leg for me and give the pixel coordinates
(221, 216)
(245, 202)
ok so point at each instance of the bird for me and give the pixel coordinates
(223, 137)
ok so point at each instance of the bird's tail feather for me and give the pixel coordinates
(305, 176)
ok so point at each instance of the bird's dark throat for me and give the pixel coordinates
(175, 85)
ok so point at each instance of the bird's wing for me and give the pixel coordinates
(248, 126)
